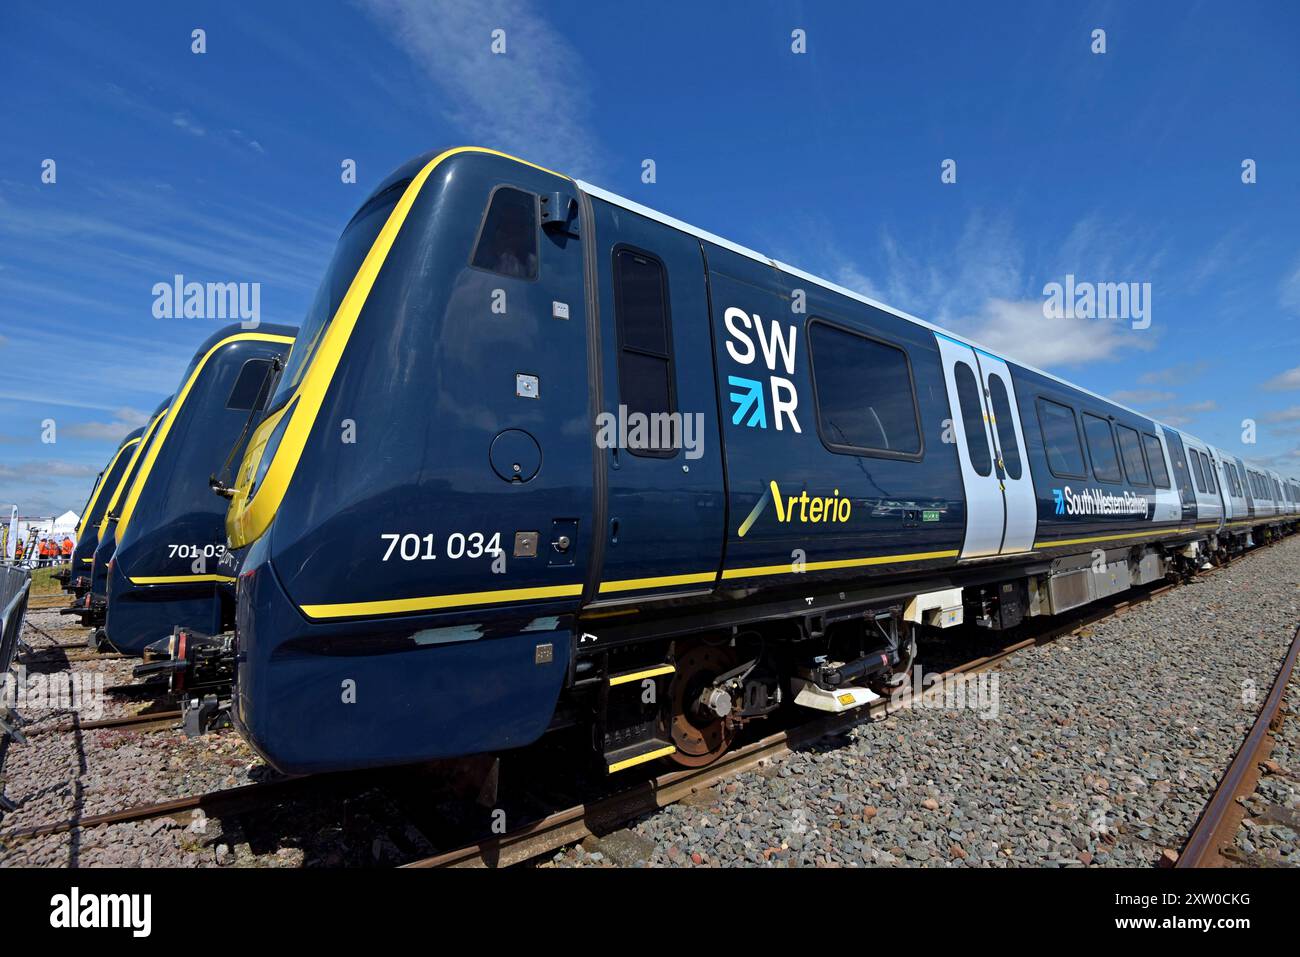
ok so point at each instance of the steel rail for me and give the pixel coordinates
(1216, 828)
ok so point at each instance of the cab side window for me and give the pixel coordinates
(251, 386)
(507, 241)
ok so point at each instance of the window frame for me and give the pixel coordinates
(988, 450)
(1198, 471)
(619, 347)
(840, 448)
(1142, 454)
(482, 225)
(1169, 479)
(269, 362)
(1078, 437)
(1011, 424)
(1114, 444)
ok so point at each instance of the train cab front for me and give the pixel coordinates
(170, 565)
(409, 511)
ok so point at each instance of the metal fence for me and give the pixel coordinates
(15, 585)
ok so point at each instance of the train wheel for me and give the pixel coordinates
(700, 732)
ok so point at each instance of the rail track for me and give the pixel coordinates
(573, 824)
(144, 721)
(1216, 829)
(561, 828)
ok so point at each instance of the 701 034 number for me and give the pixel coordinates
(410, 547)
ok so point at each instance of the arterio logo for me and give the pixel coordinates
(802, 508)
(1096, 501)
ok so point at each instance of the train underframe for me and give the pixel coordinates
(688, 694)
(684, 686)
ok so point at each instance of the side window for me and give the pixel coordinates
(1101, 447)
(865, 400)
(1060, 439)
(1197, 471)
(251, 386)
(645, 359)
(1130, 447)
(507, 242)
(972, 417)
(1209, 474)
(1006, 427)
(1156, 457)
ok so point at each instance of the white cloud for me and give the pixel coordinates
(1020, 331)
(530, 101)
(1179, 415)
(1174, 375)
(1284, 381)
(1141, 396)
(124, 420)
(1289, 289)
(1290, 414)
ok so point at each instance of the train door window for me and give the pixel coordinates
(1156, 459)
(645, 358)
(507, 240)
(1006, 427)
(1197, 471)
(972, 417)
(251, 386)
(1060, 439)
(1101, 448)
(1130, 447)
(1209, 474)
(866, 404)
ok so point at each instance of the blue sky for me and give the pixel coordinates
(225, 166)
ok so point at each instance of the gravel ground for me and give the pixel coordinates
(61, 775)
(1103, 750)
(1270, 834)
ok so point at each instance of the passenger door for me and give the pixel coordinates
(665, 502)
(1001, 506)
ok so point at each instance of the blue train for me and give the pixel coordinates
(76, 577)
(164, 547)
(92, 589)
(157, 555)
(543, 457)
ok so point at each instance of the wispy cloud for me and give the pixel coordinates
(1176, 375)
(1289, 414)
(1289, 289)
(124, 420)
(1021, 331)
(531, 100)
(1185, 413)
(1283, 381)
(1142, 396)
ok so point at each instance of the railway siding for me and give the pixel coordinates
(1104, 749)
